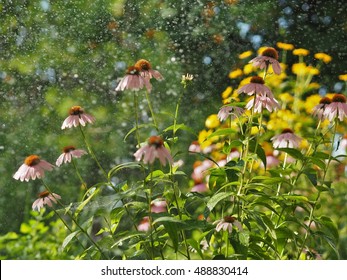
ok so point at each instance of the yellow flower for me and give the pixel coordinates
(299, 69)
(311, 102)
(314, 86)
(343, 77)
(261, 49)
(226, 93)
(324, 57)
(302, 52)
(212, 121)
(285, 46)
(235, 74)
(248, 68)
(312, 70)
(286, 98)
(245, 54)
(275, 80)
(245, 81)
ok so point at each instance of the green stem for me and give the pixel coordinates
(78, 173)
(75, 221)
(136, 107)
(176, 115)
(151, 110)
(92, 154)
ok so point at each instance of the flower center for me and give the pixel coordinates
(76, 110)
(143, 64)
(133, 70)
(270, 52)
(229, 219)
(339, 98)
(32, 160)
(155, 141)
(43, 194)
(257, 80)
(68, 149)
(325, 100)
(287, 130)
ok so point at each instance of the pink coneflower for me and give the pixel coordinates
(194, 147)
(256, 86)
(268, 56)
(262, 101)
(200, 168)
(200, 188)
(32, 168)
(45, 198)
(146, 70)
(154, 149)
(69, 152)
(271, 161)
(337, 108)
(144, 224)
(227, 223)
(319, 110)
(158, 206)
(232, 111)
(76, 117)
(133, 80)
(287, 139)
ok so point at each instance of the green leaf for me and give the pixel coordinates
(123, 166)
(292, 152)
(222, 132)
(217, 178)
(258, 150)
(178, 127)
(136, 128)
(215, 199)
(68, 239)
(298, 198)
(311, 174)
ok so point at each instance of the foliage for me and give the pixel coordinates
(67, 54)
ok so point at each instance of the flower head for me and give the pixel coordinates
(32, 168)
(45, 198)
(267, 57)
(256, 86)
(287, 139)
(144, 224)
(319, 110)
(76, 117)
(146, 70)
(158, 206)
(69, 152)
(263, 101)
(337, 108)
(227, 223)
(285, 46)
(301, 52)
(154, 149)
(133, 80)
(323, 56)
(232, 111)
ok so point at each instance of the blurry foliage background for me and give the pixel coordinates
(56, 54)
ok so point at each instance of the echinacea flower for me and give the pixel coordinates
(263, 101)
(146, 70)
(319, 110)
(133, 80)
(69, 152)
(232, 111)
(267, 57)
(158, 206)
(256, 86)
(287, 139)
(154, 149)
(144, 224)
(45, 198)
(77, 117)
(227, 224)
(32, 168)
(337, 108)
